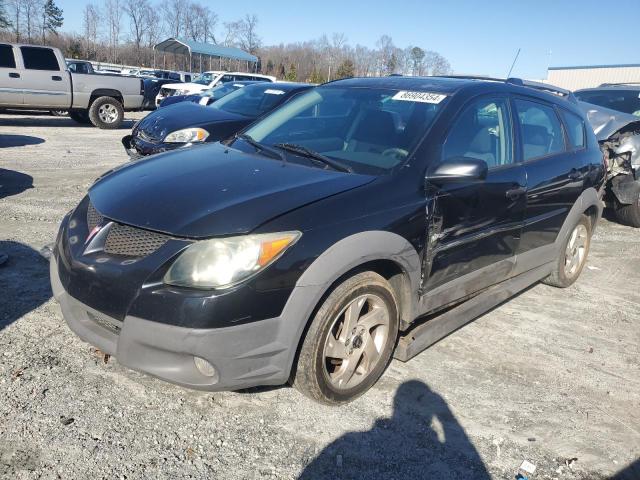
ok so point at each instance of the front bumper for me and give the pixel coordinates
(137, 148)
(258, 353)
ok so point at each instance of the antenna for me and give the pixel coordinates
(513, 64)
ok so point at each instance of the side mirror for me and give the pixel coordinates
(458, 170)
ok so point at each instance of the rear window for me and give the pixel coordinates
(36, 58)
(7, 59)
(541, 130)
(575, 130)
(627, 101)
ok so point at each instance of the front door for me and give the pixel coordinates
(475, 227)
(10, 81)
(45, 82)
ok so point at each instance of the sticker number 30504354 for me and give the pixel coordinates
(424, 97)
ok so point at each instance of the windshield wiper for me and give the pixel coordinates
(262, 148)
(306, 152)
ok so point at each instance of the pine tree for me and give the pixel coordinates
(292, 74)
(315, 76)
(52, 18)
(346, 69)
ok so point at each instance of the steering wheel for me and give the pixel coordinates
(398, 153)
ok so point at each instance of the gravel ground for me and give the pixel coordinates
(552, 376)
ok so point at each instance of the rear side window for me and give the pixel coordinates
(627, 101)
(39, 58)
(540, 128)
(482, 131)
(575, 130)
(7, 59)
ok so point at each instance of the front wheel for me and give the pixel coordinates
(106, 113)
(350, 340)
(573, 255)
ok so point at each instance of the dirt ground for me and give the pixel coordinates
(552, 377)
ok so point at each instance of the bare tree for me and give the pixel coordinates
(113, 15)
(173, 12)
(138, 13)
(31, 10)
(16, 8)
(248, 37)
(90, 18)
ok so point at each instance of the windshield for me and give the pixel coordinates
(369, 129)
(203, 79)
(627, 101)
(252, 100)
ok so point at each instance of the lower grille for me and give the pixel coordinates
(132, 242)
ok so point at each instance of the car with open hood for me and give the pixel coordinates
(186, 123)
(363, 219)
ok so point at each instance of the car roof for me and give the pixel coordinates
(612, 86)
(285, 86)
(450, 85)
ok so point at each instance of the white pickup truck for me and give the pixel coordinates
(37, 78)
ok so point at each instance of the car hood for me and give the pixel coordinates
(604, 121)
(180, 115)
(212, 190)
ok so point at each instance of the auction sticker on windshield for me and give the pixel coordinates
(424, 97)
(274, 92)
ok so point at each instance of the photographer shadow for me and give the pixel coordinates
(422, 439)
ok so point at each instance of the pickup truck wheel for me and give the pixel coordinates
(80, 117)
(106, 113)
(629, 214)
(350, 340)
(573, 255)
(58, 113)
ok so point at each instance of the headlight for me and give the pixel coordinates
(187, 135)
(224, 262)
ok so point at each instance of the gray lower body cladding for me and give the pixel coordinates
(259, 353)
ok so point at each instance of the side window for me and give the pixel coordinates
(36, 58)
(482, 131)
(187, 78)
(575, 130)
(540, 128)
(7, 59)
(228, 78)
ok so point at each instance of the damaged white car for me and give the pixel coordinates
(619, 137)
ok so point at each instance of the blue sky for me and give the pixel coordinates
(475, 36)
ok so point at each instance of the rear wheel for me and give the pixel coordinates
(629, 214)
(80, 117)
(573, 255)
(58, 113)
(350, 340)
(106, 113)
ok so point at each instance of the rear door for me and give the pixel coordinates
(476, 226)
(46, 83)
(555, 174)
(10, 77)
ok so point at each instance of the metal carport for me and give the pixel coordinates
(189, 48)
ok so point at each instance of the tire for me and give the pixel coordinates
(80, 117)
(106, 113)
(575, 248)
(629, 214)
(58, 113)
(358, 356)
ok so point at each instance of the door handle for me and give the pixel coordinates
(56, 78)
(514, 193)
(574, 174)
(14, 75)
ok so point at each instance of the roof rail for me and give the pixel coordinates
(545, 87)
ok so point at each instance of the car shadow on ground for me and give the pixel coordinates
(422, 439)
(13, 183)
(45, 120)
(24, 282)
(7, 141)
(630, 472)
